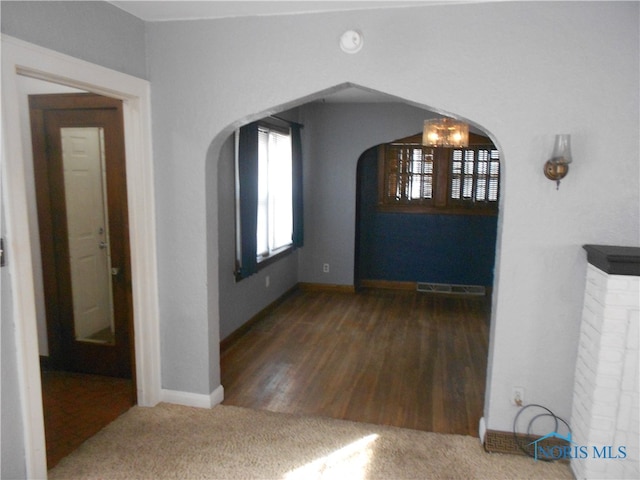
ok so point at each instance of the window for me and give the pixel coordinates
(275, 208)
(475, 175)
(268, 174)
(409, 170)
(418, 179)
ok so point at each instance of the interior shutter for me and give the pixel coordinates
(296, 159)
(248, 195)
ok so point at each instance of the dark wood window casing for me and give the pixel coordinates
(413, 178)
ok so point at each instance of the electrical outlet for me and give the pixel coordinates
(517, 396)
(325, 267)
(267, 281)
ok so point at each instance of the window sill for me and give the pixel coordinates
(274, 257)
(430, 210)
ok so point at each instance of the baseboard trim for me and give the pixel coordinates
(482, 430)
(388, 285)
(238, 333)
(326, 287)
(189, 399)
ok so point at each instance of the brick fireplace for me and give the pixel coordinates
(605, 399)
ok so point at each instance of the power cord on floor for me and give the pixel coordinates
(517, 436)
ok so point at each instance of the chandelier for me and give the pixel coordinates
(445, 132)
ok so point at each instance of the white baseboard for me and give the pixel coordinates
(482, 430)
(193, 399)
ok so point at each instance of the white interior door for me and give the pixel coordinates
(87, 225)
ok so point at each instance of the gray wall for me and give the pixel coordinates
(337, 135)
(530, 80)
(334, 136)
(239, 301)
(12, 455)
(97, 32)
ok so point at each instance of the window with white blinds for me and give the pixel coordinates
(410, 173)
(416, 178)
(475, 175)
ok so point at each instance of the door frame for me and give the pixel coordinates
(81, 109)
(23, 58)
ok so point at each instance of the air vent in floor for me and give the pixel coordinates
(451, 289)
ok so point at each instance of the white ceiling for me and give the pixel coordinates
(162, 10)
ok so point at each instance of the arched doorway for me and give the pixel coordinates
(427, 215)
(308, 266)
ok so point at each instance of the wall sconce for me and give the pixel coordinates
(445, 132)
(557, 166)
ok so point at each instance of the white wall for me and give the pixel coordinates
(524, 71)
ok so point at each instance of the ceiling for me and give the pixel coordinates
(159, 11)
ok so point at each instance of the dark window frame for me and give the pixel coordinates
(248, 261)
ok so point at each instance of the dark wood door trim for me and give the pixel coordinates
(48, 114)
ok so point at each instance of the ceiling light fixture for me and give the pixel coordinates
(445, 132)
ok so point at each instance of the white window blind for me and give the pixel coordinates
(475, 175)
(410, 173)
(415, 178)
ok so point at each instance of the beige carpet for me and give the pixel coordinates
(174, 442)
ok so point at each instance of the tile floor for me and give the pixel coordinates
(77, 406)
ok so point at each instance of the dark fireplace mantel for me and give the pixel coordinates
(614, 260)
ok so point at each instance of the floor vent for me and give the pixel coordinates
(451, 289)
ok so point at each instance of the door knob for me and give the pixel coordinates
(115, 271)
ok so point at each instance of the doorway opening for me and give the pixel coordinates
(81, 196)
(438, 252)
(79, 176)
(330, 233)
(21, 59)
(427, 218)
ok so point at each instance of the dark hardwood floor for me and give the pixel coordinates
(76, 406)
(388, 357)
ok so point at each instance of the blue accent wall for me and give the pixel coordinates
(454, 249)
